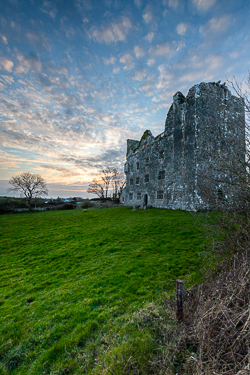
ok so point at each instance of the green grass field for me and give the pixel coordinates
(68, 278)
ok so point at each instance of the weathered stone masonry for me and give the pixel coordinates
(169, 170)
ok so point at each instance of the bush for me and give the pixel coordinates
(86, 204)
(65, 206)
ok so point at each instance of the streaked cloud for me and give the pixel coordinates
(7, 160)
(75, 85)
(7, 79)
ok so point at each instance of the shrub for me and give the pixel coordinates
(66, 206)
(86, 204)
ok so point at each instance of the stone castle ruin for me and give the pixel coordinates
(177, 168)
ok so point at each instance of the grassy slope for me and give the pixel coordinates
(68, 277)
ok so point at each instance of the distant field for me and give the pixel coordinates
(67, 278)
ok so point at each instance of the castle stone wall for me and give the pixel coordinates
(174, 169)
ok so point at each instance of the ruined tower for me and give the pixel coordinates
(177, 169)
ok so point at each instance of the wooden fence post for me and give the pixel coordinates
(179, 299)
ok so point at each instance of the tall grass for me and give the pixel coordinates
(71, 280)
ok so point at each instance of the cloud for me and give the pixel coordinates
(116, 70)
(203, 5)
(6, 64)
(21, 138)
(216, 26)
(148, 86)
(138, 3)
(110, 157)
(199, 68)
(172, 3)
(111, 60)
(7, 160)
(38, 40)
(128, 61)
(147, 14)
(165, 49)
(161, 49)
(7, 79)
(31, 61)
(4, 39)
(138, 51)
(211, 62)
(2, 87)
(66, 172)
(139, 75)
(150, 36)
(113, 33)
(150, 62)
(192, 76)
(181, 28)
(49, 9)
(83, 5)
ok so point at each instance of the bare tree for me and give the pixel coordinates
(237, 163)
(30, 186)
(118, 181)
(107, 177)
(97, 187)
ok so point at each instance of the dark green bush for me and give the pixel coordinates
(66, 206)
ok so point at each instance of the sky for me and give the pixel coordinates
(80, 77)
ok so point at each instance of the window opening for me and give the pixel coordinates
(159, 194)
(161, 175)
